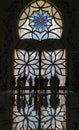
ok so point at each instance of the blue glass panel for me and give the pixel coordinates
(40, 21)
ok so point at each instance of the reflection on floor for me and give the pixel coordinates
(39, 110)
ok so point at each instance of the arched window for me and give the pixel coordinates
(40, 20)
(41, 109)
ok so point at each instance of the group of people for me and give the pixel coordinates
(20, 82)
(40, 83)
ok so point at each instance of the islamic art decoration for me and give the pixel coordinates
(33, 112)
(51, 62)
(40, 20)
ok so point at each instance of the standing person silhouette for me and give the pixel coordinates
(52, 84)
(41, 83)
(56, 83)
(67, 84)
(45, 84)
(24, 78)
(36, 84)
(30, 83)
(13, 82)
(19, 84)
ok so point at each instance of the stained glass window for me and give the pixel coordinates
(39, 113)
(40, 20)
(51, 62)
(41, 110)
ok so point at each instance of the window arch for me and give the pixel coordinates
(40, 20)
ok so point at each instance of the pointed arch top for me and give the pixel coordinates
(40, 20)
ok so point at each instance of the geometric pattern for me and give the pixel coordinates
(40, 20)
(34, 113)
(44, 63)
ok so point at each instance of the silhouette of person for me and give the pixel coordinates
(30, 82)
(56, 83)
(19, 83)
(67, 84)
(52, 83)
(36, 84)
(41, 83)
(45, 83)
(24, 78)
(13, 82)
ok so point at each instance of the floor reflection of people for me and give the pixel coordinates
(18, 102)
(45, 101)
(36, 104)
(21, 102)
(54, 101)
(30, 100)
(23, 105)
